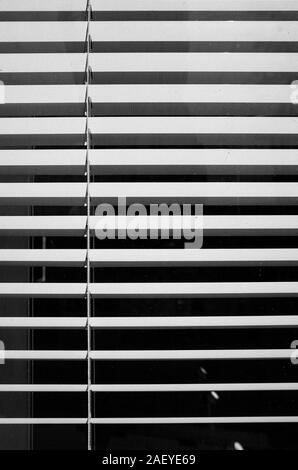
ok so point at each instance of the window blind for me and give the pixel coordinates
(157, 101)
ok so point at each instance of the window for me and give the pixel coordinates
(119, 336)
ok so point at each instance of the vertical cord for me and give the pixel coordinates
(88, 177)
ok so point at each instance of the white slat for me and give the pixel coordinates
(41, 5)
(195, 322)
(193, 290)
(43, 322)
(44, 126)
(43, 225)
(46, 355)
(146, 31)
(132, 31)
(219, 193)
(182, 257)
(39, 421)
(190, 93)
(47, 63)
(42, 193)
(43, 290)
(233, 387)
(43, 388)
(201, 420)
(189, 161)
(48, 162)
(160, 161)
(135, 388)
(36, 31)
(150, 125)
(250, 225)
(204, 354)
(191, 125)
(52, 257)
(219, 225)
(192, 5)
(211, 193)
(151, 322)
(186, 62)
(151, 62)
(19, 94)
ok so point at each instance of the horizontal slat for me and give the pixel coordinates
(43, 225)
(19, 94)
(43, 290)
(188, 161)
(150, 62)
(208, 354)
(204, 354)
(188, 62)
(117, 161)
(43, 388)
(201, 420)
(160, 161)
(154, 290)
(150, 5)
(185, 125)
(128, 31)
(49, 162)
(45, 355)
(131, 31)
(39, 421)
(193, 5)
(191, 93)
(46, 63)
(224, 225)
(118, 223)
(194, 322)
(184, 420)
(67, 257)
(149, 125)
(151, 322)
(233, 387)
(42, 126)
(43, 322)
(40, 5)
(172, 420)
(181, 257)
(211, 193)
(193, 290)
(216, 225)
(43, 193)
(250, 225)
(57, 31)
